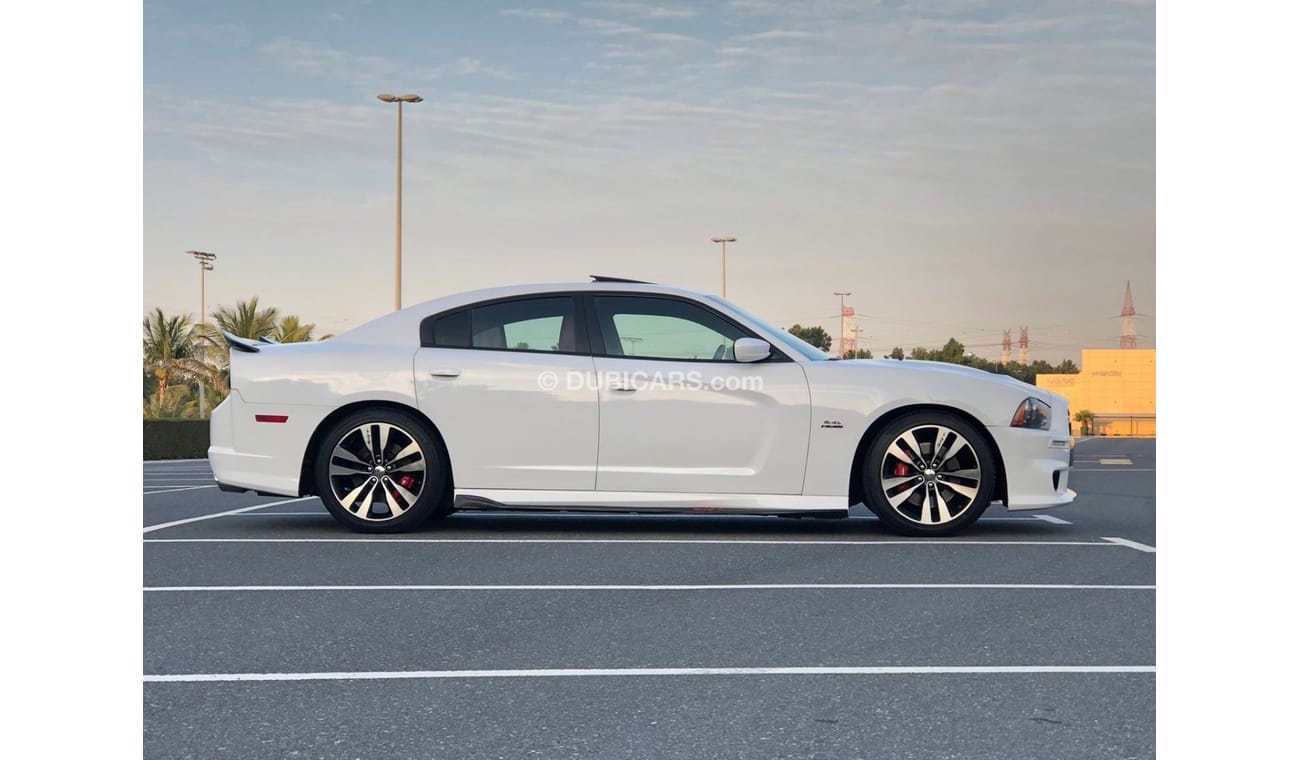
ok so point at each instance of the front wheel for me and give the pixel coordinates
(380, 471)
(928, 474)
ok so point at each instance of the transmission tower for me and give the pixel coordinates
(1128, 338)
(1006, 346)
(1024, 344)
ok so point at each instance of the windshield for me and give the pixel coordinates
(785, 339)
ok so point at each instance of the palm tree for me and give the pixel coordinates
(290, 330)
(246, 320)
(173, 351)
(1084, 418)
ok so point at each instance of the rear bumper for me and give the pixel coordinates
(1037, 466)
(246, 455)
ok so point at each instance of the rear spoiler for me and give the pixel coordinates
(240, 344)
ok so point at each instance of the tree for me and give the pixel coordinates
(897, 353)
(180, 403)
(246, 320)
(952, 352)
(861, 353)
(1085, 419)
(814, 336)
(174, 352)
(291, 330)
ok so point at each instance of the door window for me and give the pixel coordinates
(661, 328)
(534, 324)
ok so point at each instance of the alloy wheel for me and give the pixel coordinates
(377, 471)
(930, 475)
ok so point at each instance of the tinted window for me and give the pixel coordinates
(534, 324)
(658, 328)
(452, 330)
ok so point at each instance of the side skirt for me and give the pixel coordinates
(637, 501)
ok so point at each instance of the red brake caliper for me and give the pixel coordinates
(407, 480)
(902, 470)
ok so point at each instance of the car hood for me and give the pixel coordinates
(944, 368)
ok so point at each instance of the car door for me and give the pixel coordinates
(679, 414)
(497, 379)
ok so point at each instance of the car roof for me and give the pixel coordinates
(402, 324)
(505, 291)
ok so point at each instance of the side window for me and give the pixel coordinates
(452, 330)
(659, 328)
(533, 324)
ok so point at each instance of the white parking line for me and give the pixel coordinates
(682, 587)
(321, 513)
(152, 479)
(194, 476)
(764, 542)
(174, 523)
(174, 490)
(1113, 469)
(580, 672)
(1130, 544)
(1053, 519)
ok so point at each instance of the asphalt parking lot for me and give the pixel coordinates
(271, 632)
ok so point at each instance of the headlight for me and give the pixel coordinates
(1032, 413)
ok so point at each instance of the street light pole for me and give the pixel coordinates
(724, 241)
(397, 279)
(841, 294)
(205, 260)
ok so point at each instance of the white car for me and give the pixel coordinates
(615, 395)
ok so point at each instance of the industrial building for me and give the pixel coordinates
(1118, 385)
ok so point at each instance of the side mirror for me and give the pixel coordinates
(752, 350)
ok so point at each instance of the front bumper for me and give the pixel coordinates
(1037, 464)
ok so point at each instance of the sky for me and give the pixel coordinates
(959, 166)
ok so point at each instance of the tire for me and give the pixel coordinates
(924, 495)
(400, 491)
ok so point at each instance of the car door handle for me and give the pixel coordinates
(625, 388)
(445, 372)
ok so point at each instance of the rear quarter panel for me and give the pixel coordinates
(305, 382)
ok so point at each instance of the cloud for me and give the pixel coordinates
(318, 58)
(537, 14)
(466, 67)
(605, 26)
(781, 34)
(642, 10)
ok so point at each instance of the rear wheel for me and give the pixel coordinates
(381, 471)
(928, 474)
